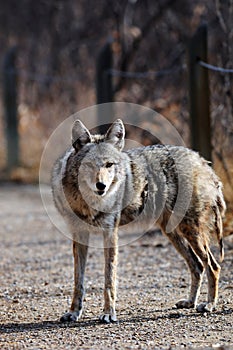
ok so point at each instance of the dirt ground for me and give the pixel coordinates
(37, 281)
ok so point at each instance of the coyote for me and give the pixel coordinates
(98, 187)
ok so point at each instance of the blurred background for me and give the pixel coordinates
(53, 53)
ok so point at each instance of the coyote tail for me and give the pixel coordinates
(219, 211)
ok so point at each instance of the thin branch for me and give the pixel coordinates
(128, 56)
(220, 17)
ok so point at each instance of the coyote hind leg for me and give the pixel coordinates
(200, 247)
(213, 271)
(195, 265)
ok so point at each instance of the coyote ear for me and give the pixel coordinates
(116, 134)
(80, 135)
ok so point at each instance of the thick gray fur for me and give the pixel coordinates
(97, 188)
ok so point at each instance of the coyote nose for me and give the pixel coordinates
(100, 186)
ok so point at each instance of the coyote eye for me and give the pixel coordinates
(109, 164)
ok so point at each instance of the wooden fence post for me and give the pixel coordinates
(199, 93)
(10, 107)
(104, 85)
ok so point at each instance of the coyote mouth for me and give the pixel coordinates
(100, 193)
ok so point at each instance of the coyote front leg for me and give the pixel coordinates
(80, 255)
(110, 254)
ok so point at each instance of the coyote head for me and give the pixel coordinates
(99, 157)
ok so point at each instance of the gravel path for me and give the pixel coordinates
(36, 288)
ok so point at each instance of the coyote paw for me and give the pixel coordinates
(185, 304)
(206, 307)
(108, 318)
(71, 316)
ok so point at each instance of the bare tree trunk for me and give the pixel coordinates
(223, 112)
